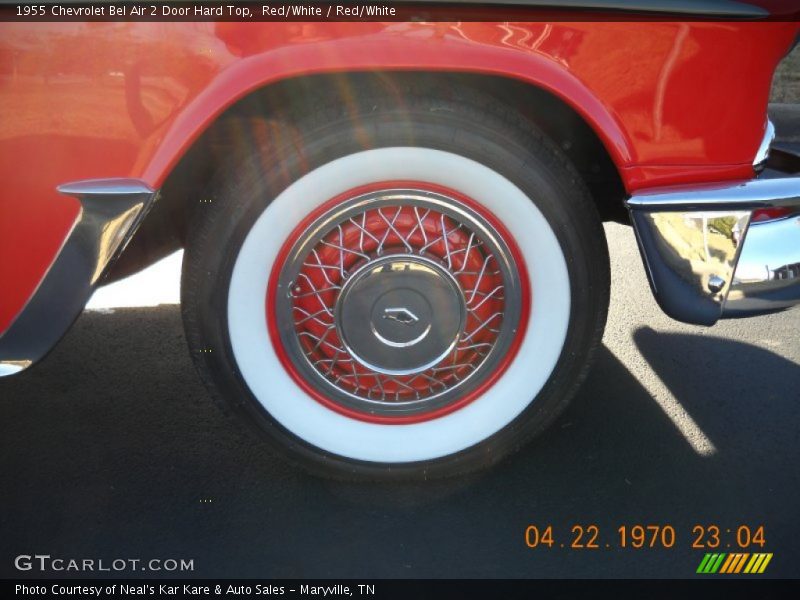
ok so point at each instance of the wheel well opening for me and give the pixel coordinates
(186, 186)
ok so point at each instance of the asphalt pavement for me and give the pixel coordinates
(111, 448)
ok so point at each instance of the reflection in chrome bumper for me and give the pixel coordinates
(111, 211)
(706, 261)
(767, 275)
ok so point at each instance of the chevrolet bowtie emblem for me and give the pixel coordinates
(401, 315)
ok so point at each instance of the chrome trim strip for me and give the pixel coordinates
(111, 211)
(746, 195)
(697, 243)
(104, 187)
(763, 150)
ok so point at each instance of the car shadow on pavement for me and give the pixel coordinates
(111, 448)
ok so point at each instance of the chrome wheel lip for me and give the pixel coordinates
(412, 197)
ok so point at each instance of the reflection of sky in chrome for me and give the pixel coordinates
(157, 284)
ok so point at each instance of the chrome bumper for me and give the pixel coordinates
(705, 259)
(111, 211)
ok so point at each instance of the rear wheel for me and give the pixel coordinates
(405, 291)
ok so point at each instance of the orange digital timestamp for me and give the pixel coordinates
(711, 536)
(640, 536)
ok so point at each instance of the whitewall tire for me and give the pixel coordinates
(508, 192)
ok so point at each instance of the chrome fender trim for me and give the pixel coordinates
(111, 211)
(762, 154)
(699, 256)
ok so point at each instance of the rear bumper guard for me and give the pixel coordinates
(704, 257)
(111, 211)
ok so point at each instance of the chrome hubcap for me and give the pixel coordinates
(397, 303)
(400, 314)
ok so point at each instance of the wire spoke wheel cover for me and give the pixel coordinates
(395, 305)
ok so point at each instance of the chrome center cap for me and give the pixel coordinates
(400, 314)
